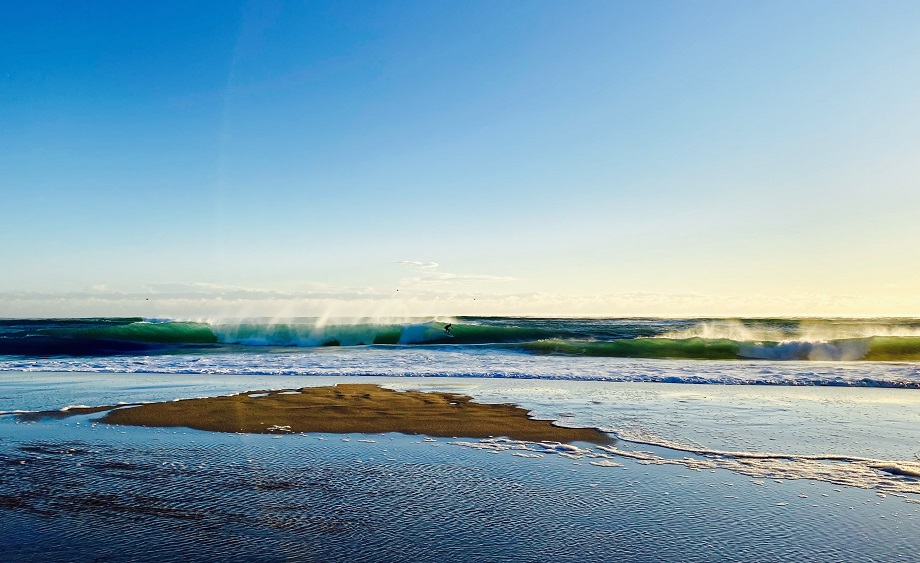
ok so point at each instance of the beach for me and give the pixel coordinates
(459, 282)
(76, 488)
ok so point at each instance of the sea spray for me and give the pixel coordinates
(769, 340)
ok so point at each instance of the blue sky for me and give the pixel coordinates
(584, 158)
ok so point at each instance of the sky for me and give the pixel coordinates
(613, 158)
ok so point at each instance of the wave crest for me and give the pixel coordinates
(770, 340)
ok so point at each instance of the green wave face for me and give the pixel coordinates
(157, 333)
(312, 334)
(485, 334)
(894, 349)
(308, 335)
(830, 340)
(687, 348)
(879, 348)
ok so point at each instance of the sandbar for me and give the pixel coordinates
(351, 408)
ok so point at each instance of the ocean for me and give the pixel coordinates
(734, 439)
(856, 352)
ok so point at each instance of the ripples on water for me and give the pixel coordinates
(103, 493)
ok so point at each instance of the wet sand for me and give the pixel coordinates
(347, 408)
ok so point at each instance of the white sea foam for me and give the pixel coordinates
(487, 363)
(606, 463)
(840, 350)
(908, 469)
(894, 477)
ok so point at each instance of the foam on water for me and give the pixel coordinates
(481, 362)
(891, 477)
(838, 351)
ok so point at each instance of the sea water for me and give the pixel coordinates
(812, 456)
(77, 490)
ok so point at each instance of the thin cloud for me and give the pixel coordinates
(419, 265)
(429, 275)
(445, 277)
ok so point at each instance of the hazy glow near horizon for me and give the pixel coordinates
(429, 158)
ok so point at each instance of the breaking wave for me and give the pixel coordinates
(757, 339)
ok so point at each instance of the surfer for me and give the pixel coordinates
(447, 328)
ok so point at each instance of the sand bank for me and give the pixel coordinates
(361, 408)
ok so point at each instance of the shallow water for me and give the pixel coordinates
(865, 422)
(73, 489)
